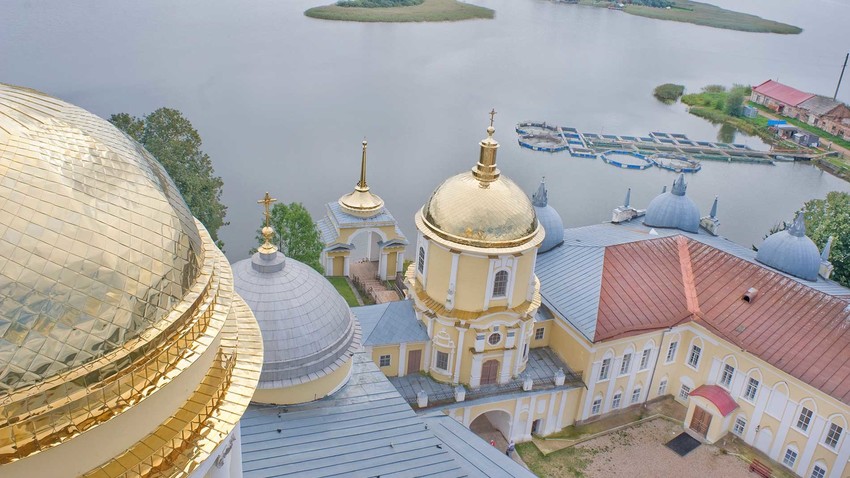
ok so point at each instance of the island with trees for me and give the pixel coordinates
(698, 13)
(400, 11)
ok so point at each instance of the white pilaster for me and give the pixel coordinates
(550, 415)
(589, 394)
(475, 374)
(815, 432)
(345, 266)
(458, 355)
(530, 418)
(466, 412)
(399, 261)
(841, 462)
(427, 356)
(713, 374)
(488, 287)
(761, 402)
(515, 420)
(788, 417)
(382, 266)
(402, 359)
(450, 294)
(609, 392)
(505, 375)
(562, 410)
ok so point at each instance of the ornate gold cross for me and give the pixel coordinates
(267, 201)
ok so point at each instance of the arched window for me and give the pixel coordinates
(500, 284)
(421, 264)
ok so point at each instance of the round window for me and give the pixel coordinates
(495, 338)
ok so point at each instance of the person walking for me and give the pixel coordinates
(511, 447)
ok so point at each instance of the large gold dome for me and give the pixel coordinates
(481, 208)
(97, 243)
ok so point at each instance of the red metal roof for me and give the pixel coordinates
(718, 396)
(782, 93)
(658, 283)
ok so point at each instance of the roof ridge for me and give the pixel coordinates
(691, 298)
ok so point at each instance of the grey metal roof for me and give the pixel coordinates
(343, 219)
(819, 105)
(673, 209)
(327, 230)
(790, 251)
(307, 328)
(477, 456)
(390, 323)
(366, 429)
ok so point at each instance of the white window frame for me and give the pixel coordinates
(605, 369)
(832, 442)
(644, 359)
(596, 406)
(662, 387)
(672, 349)
(727, 378)
(437, 361)
(539, 333)
(388, 358)
(635, 395)
(694, 356)
(739, 426)
(420, 264)
(616, 400)
(626, 364)
(804, 419)
(500, 293)
(751, 397)
(793, 454)
(495, 335)
(685, 392)
(818, 466)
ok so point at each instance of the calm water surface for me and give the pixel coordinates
(282, 101)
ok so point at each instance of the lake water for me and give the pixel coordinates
(282, 101)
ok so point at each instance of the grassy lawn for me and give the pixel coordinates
(712, 16)
(344, 290)
(569, 462)
(428, 11)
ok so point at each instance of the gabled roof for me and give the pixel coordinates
(718, 396)
(657, 283)
(390, 323)
(782, 93)
(820, 105)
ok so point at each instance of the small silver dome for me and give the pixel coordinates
(673, 209)
(548, 218)
(790, 251)
(307, 327)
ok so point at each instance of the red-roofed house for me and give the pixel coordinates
(780, 98)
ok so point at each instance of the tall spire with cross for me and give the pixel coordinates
(486, 170)
(268, 232)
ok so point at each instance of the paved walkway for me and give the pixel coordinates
(365, 273)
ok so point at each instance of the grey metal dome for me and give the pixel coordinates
(308, 330)
(673, 209)
(548, 218)
(790, 251)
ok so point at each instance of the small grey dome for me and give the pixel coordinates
(673, 209)
(307, 327)
(548, 218)
(790, 251)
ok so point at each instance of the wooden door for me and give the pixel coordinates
(489, 372)
(414, 359)
(700, 421)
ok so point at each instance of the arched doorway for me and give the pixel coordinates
(494, 425)
(764, 438)
(490, 372)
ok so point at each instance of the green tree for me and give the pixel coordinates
(172, 140)
(831, 217)
(296, 234)
(734, 102)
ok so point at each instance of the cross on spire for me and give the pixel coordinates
(266, 202)
(492, 115)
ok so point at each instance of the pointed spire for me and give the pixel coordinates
(362, 202)
(541, 197)
(713, 213)
(486, 170)
(826, 250)
(628, 200)
(798, 228)
(679, 185)
(362, 184)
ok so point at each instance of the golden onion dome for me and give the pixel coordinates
(481, 208)
(97, 243)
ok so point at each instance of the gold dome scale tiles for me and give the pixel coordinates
(481, 208)
(109, 292)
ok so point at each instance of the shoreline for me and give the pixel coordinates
(427, 11)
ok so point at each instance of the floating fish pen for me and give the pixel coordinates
(675, 162)
(626, 159)
(675, 151)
